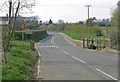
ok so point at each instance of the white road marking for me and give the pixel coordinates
(51, 41)
(79, 59)
(41, 46)
(106, 74)
(53, 46)
(54, 43)
(65, 52)
(57, 47)
(48, 46)
(38, 67)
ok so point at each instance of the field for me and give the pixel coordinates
(79, 32)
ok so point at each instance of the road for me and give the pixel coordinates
(63, 61)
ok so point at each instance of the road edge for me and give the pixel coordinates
(39, 67)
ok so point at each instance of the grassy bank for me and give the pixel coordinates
(20, 60)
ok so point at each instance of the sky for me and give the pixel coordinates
(72, 10)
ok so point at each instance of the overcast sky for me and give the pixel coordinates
(72, 10)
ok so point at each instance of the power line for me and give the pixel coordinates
(98, 6)
(61, 5)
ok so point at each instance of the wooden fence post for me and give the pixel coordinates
(97, 42)
(87, 43)
(92, 43)
(83, 42)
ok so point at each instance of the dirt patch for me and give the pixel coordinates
(109, 50)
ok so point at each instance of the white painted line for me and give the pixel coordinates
(38, 72)
(54, 43)
(51, 41)
(47, 46)
(41, 46)
(53, 46)
(65, 52)
(106, 74)
(57, 47)
(38, 67)
(79, 59)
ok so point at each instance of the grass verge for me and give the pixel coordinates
(20, 60)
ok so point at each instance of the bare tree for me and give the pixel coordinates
(17, 6)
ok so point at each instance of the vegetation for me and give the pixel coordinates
(114, 34)
(9, 32)
(115, 20)
(20, 60)
(79, 32)
(34, 35)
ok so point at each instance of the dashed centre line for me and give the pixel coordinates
(65, 52)
(79, 59)
(106, 74)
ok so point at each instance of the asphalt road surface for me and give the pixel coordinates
(63, 61)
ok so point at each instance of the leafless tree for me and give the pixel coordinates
(17, 6)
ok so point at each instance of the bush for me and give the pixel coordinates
(114, 39)
(38, 35)
(98, 32)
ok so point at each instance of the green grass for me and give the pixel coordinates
(74, 35)
(0, 72)
(20, 60)
(77, 31)
(80, 31)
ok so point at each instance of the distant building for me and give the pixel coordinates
(3, 21)
(30, 21)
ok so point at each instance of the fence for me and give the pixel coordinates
(96, 43)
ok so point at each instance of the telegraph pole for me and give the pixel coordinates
(88, 17)
(88, 10)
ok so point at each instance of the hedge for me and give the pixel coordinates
(34, 35)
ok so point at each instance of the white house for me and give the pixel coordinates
(3, 21)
